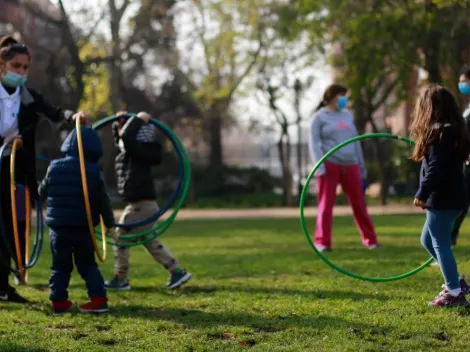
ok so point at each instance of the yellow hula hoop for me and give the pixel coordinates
(28, 229)
(81, 156)
(14, 215)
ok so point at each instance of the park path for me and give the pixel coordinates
(285, 213)
(269, 213)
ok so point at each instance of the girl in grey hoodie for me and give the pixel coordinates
(332, 125)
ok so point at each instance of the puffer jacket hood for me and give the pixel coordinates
(91, 145)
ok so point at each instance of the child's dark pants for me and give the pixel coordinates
(69, 246)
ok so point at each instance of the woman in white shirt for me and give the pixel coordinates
(20, 109)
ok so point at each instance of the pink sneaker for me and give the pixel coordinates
(444, 299)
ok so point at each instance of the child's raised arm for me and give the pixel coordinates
(148, 153)
(106, 209)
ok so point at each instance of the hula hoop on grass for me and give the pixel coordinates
(181, 191)
(304, 224)
(81, 156)
(30, 261)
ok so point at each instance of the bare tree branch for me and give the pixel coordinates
(247, 70)
(86, 38)
(385, 94)
(74, 53)
(179, 74)
(123, 8)
(200, 33)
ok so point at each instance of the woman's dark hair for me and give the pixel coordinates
(9, 48)
(465, 71)
(435, 107)
(330, 93)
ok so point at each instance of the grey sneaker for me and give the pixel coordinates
(322, 249)
(178, 278)
(116, 284)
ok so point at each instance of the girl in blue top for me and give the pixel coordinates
(442, 145)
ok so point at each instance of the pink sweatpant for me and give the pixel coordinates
(350, 179)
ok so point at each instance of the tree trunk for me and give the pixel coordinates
(384, 180)
(284, 159)
(359, 114)
(411, 87)
(79, 68)
(215, 139)
(215, 123)
(432, 44)
(288, 173)
(115, 70)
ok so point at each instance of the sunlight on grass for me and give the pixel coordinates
(257, 285)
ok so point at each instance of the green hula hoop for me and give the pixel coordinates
(146, 236)
(304, 224)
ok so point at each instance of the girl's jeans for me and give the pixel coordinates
(436, 238)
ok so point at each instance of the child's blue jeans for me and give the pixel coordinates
(436, 238)
(69, 246)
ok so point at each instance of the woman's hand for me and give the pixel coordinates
(19, 144)
(82, 116)
(122, 121)
(419, 203)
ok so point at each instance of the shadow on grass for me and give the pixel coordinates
(212, 290)
(314, 293)
(12, 347)
(198, 319)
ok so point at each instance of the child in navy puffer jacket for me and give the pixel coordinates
(66, 216)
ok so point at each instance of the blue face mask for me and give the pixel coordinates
(342, 102)
(14, 80)
(464, 88)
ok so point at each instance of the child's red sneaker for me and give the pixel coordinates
(96, 305)
(62, 307)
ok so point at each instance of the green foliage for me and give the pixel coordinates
(96, 79)
(381, 42)
(230, 46)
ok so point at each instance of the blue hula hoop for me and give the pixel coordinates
(171, 201)
(38, 239)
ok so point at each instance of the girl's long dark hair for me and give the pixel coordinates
(330, 93)
(435, 107)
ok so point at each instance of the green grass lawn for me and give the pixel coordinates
(257, 286)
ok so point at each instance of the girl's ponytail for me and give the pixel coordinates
(321, 105)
